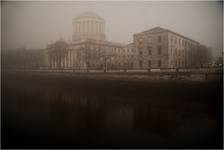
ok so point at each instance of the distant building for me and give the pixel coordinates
(162, 48)
(89, 48)
(154, 48)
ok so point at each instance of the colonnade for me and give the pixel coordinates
(88, 27)
(62, 61)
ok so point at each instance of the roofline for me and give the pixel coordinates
(167, 30)
(183, 36)
(95, 17)
(103, 42)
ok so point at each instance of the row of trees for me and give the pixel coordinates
(203, 56)
(22, 58)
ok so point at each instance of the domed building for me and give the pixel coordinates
(88, 26)
(89, 48)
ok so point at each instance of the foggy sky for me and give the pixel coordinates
(34, 24)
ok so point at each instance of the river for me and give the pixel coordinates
(56, 111)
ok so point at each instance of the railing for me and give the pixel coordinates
(125, 70)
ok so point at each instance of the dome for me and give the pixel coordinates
(88, 25)
(88, 15)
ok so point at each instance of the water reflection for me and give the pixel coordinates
(62, 117)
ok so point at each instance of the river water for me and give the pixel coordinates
(48, 112)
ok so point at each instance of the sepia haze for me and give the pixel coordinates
(35, 24)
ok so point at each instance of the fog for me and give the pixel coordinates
(34, 24)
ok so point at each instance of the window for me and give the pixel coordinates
(131, 65)
(159, 38)
(149, 63)
(159, 63)
(140, 41)
(140, 53)
(140, 64)
(159, 50)
(140, 46)
(149, 50)
(149, 39)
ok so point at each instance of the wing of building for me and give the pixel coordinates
(163, 48)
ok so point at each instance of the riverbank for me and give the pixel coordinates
(110, 84)
(132, 76)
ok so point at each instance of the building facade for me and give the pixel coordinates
(129, 56)
(162, 48)
(85, 54)
(154, 48)
(89, 48)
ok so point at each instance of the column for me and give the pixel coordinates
(92, 26)
(78, 27)
(69, 65)
(95, 27)
(69, 56)
(72, 64)
(101, 27)
(87, 26)
(81, 26)
(62, 62)
(75, 26)
(98, 27)
(66, 58)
